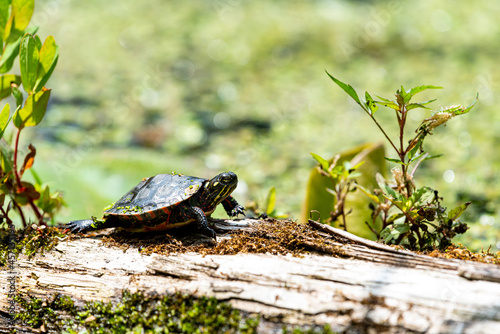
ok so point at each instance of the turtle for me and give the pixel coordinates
(166, 201)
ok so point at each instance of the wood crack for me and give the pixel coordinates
(363, 285)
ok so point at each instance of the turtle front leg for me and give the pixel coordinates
(232, 207)
(195, 212)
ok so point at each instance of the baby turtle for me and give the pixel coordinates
(166, 201)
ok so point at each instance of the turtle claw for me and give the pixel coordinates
(208, 232)
(238, 210)
(77, 226)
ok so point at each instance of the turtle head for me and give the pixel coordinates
(220, 187)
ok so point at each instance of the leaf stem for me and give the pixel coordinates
(16, 151)
(37, 212)
(20, 186)
(7, 219)
(403, 151)
(23, 219)
(372, 229)
(418, 163)
(382, 130)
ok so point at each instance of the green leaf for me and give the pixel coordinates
(36, 177)
(418, 89)
(416, 105)
(370, 103)
(49, 54)
(417, 196)
(395, 234)
(28, 59)
(394, 218)
(384, 99)
(453, 110)
(388, 104)
(389, 233)
(6, 82)
(22, 10)
(19, 119)
(33, 111)
(413, 151)
(39, 107)
(16, 92)
(392, 193)
(318, 198)
(44, 201)
(347, 165)
(419, 105)
(395, 161)
(354, 175)
(6, 153)
(381, 182)
(349, 90)
(416, 157)
(4, 17)
(469, 107)
(38, 41)
(11, 51)
(324, 163)
(7, 36)
(368, 193)
(403, 95)
(271, 201)
(433, 156)
(337, 171)
(4, 118)
(357, 165)
(457, 212)
(401, 228)
(49, 202)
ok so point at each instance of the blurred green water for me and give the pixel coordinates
(143, 88)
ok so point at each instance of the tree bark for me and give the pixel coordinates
(373, 288)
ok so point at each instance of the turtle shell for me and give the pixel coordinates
(160, 192)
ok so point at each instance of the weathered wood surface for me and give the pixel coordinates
(374, 287)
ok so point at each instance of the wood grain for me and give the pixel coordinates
(372, 287)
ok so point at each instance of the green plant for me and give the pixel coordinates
(315, 330)
(321, 198)
(37, 62)
(270, 206)
(135, 313)
(342, 177)
(410, 216)
(29, 241)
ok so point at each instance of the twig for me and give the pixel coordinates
(20, 186)
(7, 219)
(16, 150)
(372, 229)
(381, 129)
(25, 224)
(355, 239)
(418, 164)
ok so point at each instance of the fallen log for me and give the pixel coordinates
(339, 279)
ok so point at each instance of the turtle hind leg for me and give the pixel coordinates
(77, 226)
